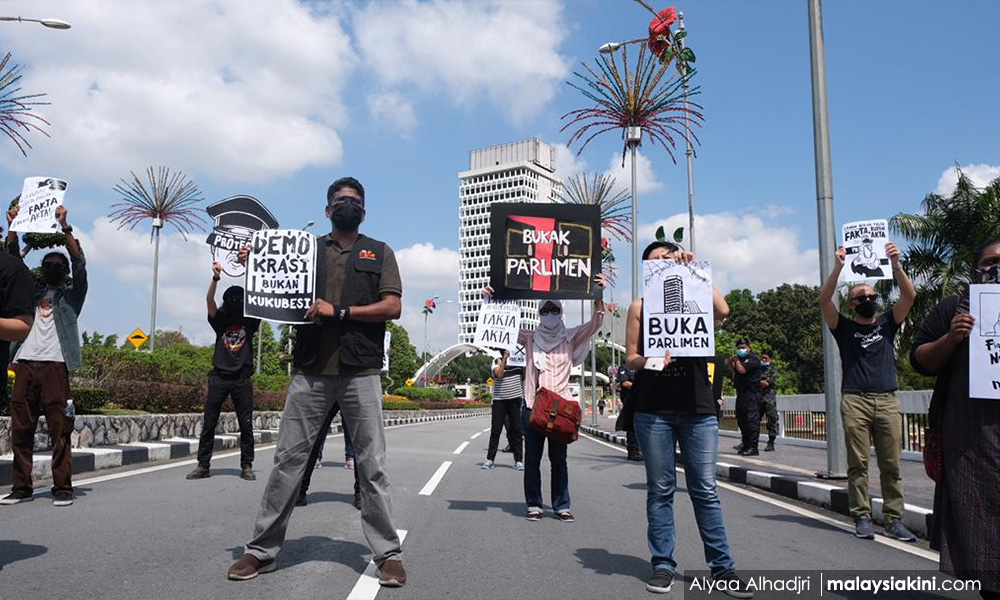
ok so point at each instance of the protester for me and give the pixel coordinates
(746, 377)
(316, 455)
(600, 406)
(232, 368)
(677, 406)
(869, 407)
(626, 420)
(769, 399)
(508, 395)
(551, 351)
(966, 526)
(337, 360)
(42, 365)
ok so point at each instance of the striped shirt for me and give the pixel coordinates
(510, 386)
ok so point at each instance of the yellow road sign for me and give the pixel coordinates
(489, 381)
(138, 337)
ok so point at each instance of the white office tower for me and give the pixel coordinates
(519, 172)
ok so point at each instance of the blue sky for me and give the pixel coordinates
(277, 99)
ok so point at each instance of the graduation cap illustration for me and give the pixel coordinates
(238, 217)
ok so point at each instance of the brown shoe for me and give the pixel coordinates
(391, 574)
(247, 474)
(249, 567)
(200, 472)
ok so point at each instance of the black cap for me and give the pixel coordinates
(238, 217)
(743, 342)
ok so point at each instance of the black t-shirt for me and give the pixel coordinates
(867, 353)
(749, 381)
(233, 342)
(682, 387)
(17, 298)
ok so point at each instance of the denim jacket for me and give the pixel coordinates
(66, 306)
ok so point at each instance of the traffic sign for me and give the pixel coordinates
(489, 381)
(138, 338)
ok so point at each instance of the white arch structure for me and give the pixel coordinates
(432, 368)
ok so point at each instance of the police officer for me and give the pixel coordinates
(769, 400)
(746, 375)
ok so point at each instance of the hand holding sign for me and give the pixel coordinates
(866, 244)
(281, 277)
(39, 198)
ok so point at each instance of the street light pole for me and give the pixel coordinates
(836, 451)
(633, 137)
(157, 226)
(50, 23)
(682, 66)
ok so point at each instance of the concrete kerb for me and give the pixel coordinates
(917, 519)
(106, 457)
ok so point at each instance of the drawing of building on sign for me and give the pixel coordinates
(673, 294)
(691, 308)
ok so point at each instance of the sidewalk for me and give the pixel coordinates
(790, 471)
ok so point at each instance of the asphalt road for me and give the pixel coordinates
(150, 534)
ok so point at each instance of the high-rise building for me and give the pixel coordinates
(673, 294)
(518, 172)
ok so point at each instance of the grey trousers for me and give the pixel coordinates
(309, 401)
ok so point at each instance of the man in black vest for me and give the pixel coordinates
(337, 360)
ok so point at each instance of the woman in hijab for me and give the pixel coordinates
(551, 351)
(967, 497)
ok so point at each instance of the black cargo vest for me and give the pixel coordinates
(361, 344)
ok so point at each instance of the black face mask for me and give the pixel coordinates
(347, 216)
(865, 309)
(53, 274)
(990, 275)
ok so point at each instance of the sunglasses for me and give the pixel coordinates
(343, 199)
(870, 297)
(549, 310)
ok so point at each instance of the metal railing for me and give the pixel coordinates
(803, 417)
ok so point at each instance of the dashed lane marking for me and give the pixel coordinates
(435, 479)
(367, 586)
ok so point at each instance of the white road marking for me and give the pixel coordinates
(460, 448)
(435, 479)
(367, 586)
(487, 430)
(476, 435)
(905, 547)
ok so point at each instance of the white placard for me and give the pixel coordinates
(865, 244)
(498, 324)
(984, 342)
(37, 207)
(518, 357)
(281, 275)
(677, 312)
(385, 351)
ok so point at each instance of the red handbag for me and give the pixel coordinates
(934, 454)
(555, 417)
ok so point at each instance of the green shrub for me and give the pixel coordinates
(418, 394)
(273, 383)
(87, 400)
(400, 405)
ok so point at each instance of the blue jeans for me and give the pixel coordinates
(698, 436)
(534, 442)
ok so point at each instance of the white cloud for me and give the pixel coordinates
(746, 251)
(426, 272)
(568, 163)
(426, 268)
(393, 111)
(249, 90)
(645, 178)
(504, 52)
(981, 175)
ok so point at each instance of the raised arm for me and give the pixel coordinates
(213, 308)
(907, 293)
(831, 314)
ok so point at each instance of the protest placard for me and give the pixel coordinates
(281, 275)
(984, 342)
(498, 324)
(236, 219)
(545, 250)
(866, 258)
(37, 207)
(518, 357)
(677, 311)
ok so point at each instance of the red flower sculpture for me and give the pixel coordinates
(659, 30)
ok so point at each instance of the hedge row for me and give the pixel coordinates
(428, 394)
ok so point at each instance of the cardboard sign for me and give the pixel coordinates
(545, 250)
(385, 351)
(37, 207)
(866, 258)
(518, 357)
(281, 275)
(498, 324)
(236, 219)
(677, 311)
(984, 342)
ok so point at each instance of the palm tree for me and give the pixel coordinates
(166, 198)
(16, 117)
(615, 217)
(943, 242)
